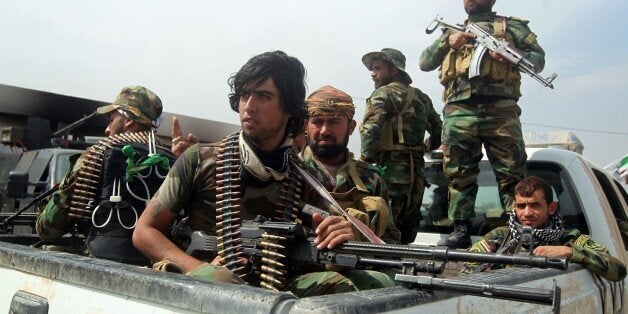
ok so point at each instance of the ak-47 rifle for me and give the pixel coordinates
(410, 259)
(486, 41)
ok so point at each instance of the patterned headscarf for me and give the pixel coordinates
(548, 235)
(328, 100)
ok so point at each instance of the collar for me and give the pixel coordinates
(482, 17)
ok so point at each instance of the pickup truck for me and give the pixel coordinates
(37, 281)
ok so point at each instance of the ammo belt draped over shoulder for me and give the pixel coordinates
(273, 271)
(84, 188)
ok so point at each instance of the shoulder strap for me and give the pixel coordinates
(499, 26)
(410, 96)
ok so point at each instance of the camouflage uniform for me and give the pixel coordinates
(358, 185)
(191, 186)
(402, 163)
(482, 111)
(53, 220)
(593, 256)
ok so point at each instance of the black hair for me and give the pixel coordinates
(528, 185)
(288, 74)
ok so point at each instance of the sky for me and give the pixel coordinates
(186, 50)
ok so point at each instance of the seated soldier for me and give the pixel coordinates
(247, 176)
(535, 225)
(355, 184)
(111, 181)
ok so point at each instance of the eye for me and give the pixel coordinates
(245, 96)
(263, 96)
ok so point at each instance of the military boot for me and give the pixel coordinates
(459, 238)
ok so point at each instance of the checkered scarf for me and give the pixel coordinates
(548, 235)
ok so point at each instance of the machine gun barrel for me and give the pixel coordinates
(74, 124)
(522, 294)
(445, 254)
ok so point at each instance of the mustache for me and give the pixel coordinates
(326, 138)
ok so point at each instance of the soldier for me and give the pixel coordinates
(397, 116)
(480, 111)
(249, 175)
(535, 225)
(99, 184)
(356, 185)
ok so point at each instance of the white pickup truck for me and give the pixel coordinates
(36, 281)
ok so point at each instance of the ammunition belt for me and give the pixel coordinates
(273, 270)
(84, 187)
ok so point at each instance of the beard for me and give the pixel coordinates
(329, 151)
(479, 8)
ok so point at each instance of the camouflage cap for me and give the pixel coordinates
(391, 55)
(329, 100)
(138, 104)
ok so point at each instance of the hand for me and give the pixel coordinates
(180, 144)
(459, 39)
(553, 251)
(497, 57)
(331, 231)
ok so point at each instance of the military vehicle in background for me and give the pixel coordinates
(41, 130)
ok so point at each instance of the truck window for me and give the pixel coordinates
(62, 167)
(488, 211)
(615, 201)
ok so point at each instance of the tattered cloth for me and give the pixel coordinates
(328, 100)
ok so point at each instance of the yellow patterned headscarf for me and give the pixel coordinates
(330, 101)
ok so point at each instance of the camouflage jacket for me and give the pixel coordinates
(53, 220)
(593, 256)
(380, 131)
(191, 186)
(354, 182)
(496, 78)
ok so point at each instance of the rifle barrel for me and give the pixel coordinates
(445, 254)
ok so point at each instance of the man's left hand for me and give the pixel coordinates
(331, 231)
(553, 251)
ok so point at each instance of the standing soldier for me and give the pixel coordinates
(397, 116)
(482, 110)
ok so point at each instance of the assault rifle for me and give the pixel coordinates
(487, 41)
(410, 259)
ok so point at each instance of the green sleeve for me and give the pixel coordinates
(432, 57)
(525, 40)
(176, 190)
(375, 118)
(597, 259)
(53, 220)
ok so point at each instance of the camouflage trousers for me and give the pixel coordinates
(466, 128)
(329, 282)
(405, 179)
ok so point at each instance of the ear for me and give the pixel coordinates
(128, 124)
(351, 126)
(553, 207)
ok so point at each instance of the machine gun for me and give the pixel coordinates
(409, 259)
(486, 41)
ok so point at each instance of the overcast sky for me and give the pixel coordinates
(185, 51)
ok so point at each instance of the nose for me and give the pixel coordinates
(248, 103)
(108, 131)
(527, 211)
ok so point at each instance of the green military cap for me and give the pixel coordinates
(137, 103)
(391, 55)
